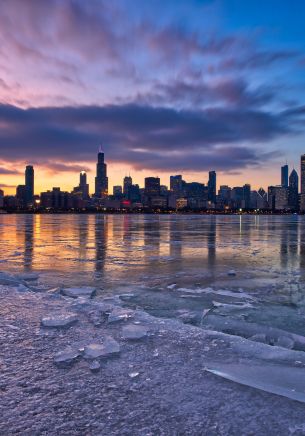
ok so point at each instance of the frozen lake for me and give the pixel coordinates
(237, 266)
(221, 297)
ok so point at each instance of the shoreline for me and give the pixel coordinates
(104, 212)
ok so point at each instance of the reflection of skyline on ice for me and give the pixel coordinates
(146, 254)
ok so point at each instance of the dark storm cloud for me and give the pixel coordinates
(142, 136)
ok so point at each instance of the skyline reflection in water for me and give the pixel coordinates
(96, 246)
(117, 251)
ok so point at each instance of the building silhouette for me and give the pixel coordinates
(212, 187)
(83, 185)
(284, 176)
(29, 185)
(127, 182)
(101, 179)
(293, 199)
(302, 202)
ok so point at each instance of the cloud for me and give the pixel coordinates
(201, 94)
(99, 51)
(57, 167)
(145, 137)
(8, 171)
(3, 185)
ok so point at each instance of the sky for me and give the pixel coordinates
(167, 87)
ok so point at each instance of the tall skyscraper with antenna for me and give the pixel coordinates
(101, 179)
(29, 185)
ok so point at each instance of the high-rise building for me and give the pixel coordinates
(237, 197)
(101, 179)
(152, 186)
(302, 203)
(151, 190)
(224, 196)
(246, 196)
(83, 185)
(293, 195)
(284, 176)
(262, 199)
(278, 198)
(29, 184)
(134, 193)
(117, 191)
(82, 190)
(212, 186)
(21, 196)
(176, 184)
(1, 198)
(127, 182)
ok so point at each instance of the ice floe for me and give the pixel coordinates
(86, 291)
(66, 357)
(107, 348)
(134, 332)
(59, 321)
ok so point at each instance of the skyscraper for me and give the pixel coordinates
(84, 187)
(176, 184)
(302, 205)
(101, 179)
(246, 196)
(152, 186)
(29, 184)
(1, 198)
(212, 186)
(293, 196)
(126, 186)
(117, 191)
(284, 176)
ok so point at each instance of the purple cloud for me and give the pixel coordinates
(142, 136)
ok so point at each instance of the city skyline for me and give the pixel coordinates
(153, 195)
(167, 87)
(112, 182)
(101, 181)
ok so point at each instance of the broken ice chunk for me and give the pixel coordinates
(133, 374)
(8, 279)
(66, 357)
(134, 332)
(232, 272)
(28, 276)
(188, 317)
(120, 314)
(59, 321)
(87, 291)
(282, 380)
(108, 348)
(95, 366)
(285, 342)
(259, 337)
(171, 286)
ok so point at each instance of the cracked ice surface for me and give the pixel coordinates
(224, 354)
(200, 375)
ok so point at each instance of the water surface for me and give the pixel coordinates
(173, 264)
